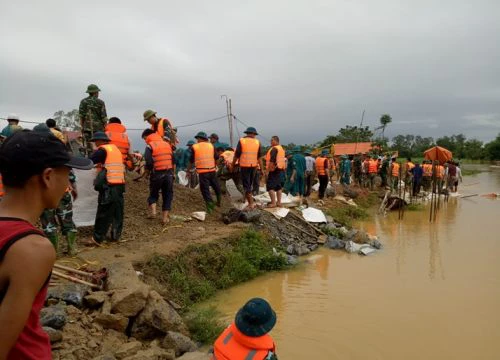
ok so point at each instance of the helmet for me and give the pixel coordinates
(325, 152)
(296, 149)
(42, 128)
(13, 117)
(99, 135)
(201, 135)
(256, 318)
(251, 130)
(92, 88)
(190, 143)
(148, 113)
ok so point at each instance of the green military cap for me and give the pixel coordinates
(92, 88)
(201, 135)
(42, 127)
(296, 149)
(325, 152)
(251, 130)
(148, 113)
(100, 135)
(190, 143)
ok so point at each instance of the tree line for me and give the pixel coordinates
(410, 145)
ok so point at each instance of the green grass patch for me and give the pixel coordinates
(204, 324)
(415, 207)
(346, 215)
(470, 172)
(368, 201)
(198, 271)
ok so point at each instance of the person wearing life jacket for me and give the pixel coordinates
(408, 170)
(35, 169)
(427, 176)
(225, 171)
(372, 171)
(203, 158)
(395, 174)
(322, 168)
(159, 165)
(117, 134)
(275, 166)
(162, 126)
(247, 338)
(110, 183)
(249, 154)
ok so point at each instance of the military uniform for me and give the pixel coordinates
(93, 113)
(63, 216)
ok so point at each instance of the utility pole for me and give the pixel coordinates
(231, 140)
(229, 117)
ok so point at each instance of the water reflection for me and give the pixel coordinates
(433, 284)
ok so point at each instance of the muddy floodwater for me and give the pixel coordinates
(432, 293)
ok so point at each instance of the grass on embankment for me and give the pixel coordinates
(198, 271)
(346, 214)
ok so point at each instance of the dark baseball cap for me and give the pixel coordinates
(27, 153)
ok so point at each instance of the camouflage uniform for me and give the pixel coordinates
(93, 112)
(64, 216)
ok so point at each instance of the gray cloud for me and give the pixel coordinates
(298, 69)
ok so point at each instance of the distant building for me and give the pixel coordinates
(351, 148)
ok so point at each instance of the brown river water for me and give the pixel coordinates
(433, 292)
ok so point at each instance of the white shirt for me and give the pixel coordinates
(310, 163)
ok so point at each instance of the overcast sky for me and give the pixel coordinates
(298, 69)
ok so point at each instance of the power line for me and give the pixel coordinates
(238, 120)
(140, 129)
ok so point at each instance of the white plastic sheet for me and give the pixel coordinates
(278, 213)
(85, 206)
(314, 215)
(199, 215)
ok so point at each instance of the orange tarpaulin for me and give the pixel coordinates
(438, 153)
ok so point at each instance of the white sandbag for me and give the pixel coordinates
(199, 215)
(183, 180)
(314, 215)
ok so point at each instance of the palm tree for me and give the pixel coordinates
(385, 120)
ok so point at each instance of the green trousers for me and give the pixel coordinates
(109, 213)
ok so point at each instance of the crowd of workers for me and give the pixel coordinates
(35, 167)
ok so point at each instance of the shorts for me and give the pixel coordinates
(274, 182)
(247, 178)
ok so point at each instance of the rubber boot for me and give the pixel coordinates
(54, 239)
(71, 241)
(219, 200)
(210, 207)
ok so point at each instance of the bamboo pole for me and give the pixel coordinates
(298, 228)
(75, 271)
(75, 280)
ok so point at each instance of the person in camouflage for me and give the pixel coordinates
(93, 115)
(63, 216)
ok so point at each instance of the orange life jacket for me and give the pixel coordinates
(2, 192)
(115, 170)
(395, 169)
(118, 136)
(427, 168)
(320, 165)
(232, 344)
(409, 166)
(249, 152)
(440, 171)
(372, 166)
(280, 157)
(204, 160)
(162, 152)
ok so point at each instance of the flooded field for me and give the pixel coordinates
(432, 293)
